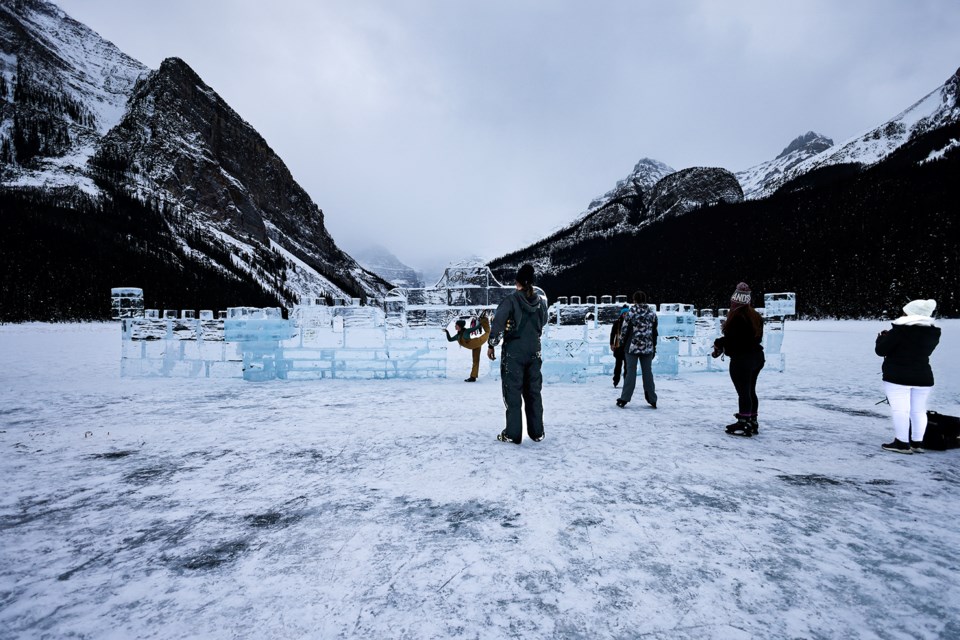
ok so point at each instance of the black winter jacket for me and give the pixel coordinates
(906, 353)
(738, 337)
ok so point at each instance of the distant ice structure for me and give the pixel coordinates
(126, 302)
(403, 337)
(576, 341)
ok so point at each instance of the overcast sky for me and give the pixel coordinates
(447, 128)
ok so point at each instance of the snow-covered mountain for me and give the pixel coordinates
(810, 152)
(653, 191)
(62, 88)
(77, 115)
(762, 179)
(380, 261)
(639, 183)
(825, 220)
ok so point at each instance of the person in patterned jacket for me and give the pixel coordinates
(639, 335)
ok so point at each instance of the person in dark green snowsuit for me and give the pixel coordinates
(520, 318)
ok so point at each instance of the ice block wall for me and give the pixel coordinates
(405, 339)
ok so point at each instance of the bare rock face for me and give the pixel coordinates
(810, 143)
(180, 138)
(683, 191)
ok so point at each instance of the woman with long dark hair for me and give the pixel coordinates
(742, 335)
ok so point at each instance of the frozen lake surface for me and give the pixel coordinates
(170, 508)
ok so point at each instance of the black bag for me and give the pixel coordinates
(942, 432)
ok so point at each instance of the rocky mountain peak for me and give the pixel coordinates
(650, 171)
(646, 173)
(181, 138)
(77, 113)
(810, 143)
(652, 192)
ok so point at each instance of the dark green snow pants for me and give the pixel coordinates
(522, 381)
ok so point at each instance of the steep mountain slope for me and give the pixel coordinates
(762, 179)
(652, 192)
(937, 109)
(181, 139)
(850, 243)
(856, 229)
(82, 123)
(620, 208)
(61, 88)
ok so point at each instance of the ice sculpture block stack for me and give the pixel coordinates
(126, 302)
(403, 337)
(259, 334)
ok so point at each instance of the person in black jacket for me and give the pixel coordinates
(742, 335)
(907, 376)
(616, 346)
(520, 318)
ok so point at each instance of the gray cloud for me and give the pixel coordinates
(441, 129)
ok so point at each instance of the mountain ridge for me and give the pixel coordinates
(936, 109)
(814, 189)
(80, 114)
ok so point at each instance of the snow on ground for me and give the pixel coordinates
(165, 508)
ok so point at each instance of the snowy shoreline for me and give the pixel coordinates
(167, 508)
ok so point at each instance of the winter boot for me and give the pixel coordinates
(754, 427)
(897, 446)
(503, 437)
(741, 427)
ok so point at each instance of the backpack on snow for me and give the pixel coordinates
(942, 432)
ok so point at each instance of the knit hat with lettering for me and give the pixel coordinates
(740, 297)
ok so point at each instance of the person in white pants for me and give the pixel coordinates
(907, 375)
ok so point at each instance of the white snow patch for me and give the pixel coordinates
(46, 179)
(939, 154)
(105, 74)
(304, 279)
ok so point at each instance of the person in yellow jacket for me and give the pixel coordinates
(462, 337)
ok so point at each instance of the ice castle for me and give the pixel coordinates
(402, 336)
